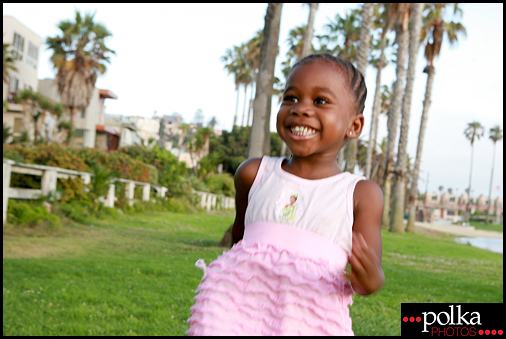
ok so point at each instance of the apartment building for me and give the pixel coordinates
(446, 206)
(25, 45)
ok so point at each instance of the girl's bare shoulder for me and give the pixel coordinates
(368, 192)
(246, 172)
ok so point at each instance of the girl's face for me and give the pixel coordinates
(317, 111)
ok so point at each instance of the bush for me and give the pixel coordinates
(221, 184)
(26, 215)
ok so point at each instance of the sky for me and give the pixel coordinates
(168, 60)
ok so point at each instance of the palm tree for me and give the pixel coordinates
(397, 222)
(307, 47)
(347, 28)
(473, 131)
(79, 55)
(233, 64)
(260, 137)
(401, 13)
(253, 59)
(433, 31)
(9, 61)
(363, 54)
(495, 134)
(384, 22)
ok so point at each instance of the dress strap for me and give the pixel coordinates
(258, 177)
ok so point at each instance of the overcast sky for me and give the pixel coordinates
(168, 60)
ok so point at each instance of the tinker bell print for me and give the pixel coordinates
(289, 211)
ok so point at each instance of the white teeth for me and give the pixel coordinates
(299, 130)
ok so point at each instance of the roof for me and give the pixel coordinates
(107, 129)
(105, 93)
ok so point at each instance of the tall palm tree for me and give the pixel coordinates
(259, 141)
(363, 54)
(433, 31)
(9, 62)
(307, 47)
(495, 134)
(234, 65)
(384, 22)
(401, 13)
(79, 56)
(253, 60)
(473, 131)
(400, 176)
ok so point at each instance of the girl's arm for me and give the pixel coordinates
(366, 273)
(243, 179)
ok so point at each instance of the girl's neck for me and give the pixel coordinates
(311, 168)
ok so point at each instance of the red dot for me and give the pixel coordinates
(499, 332)
(418, 319)
(487, 332)
(412, 319)
(494, 332)
(480, 332)
(405, 319)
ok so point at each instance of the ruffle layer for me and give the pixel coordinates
(260, 289)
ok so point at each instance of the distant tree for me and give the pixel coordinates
(259, 143)
(473, 131)
(495, 134)
(8, 63)
(79, 56)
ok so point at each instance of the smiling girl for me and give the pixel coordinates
(284, 278)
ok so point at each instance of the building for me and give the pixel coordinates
(127, 130)
(147, 128)
(87, 120)
(447, 206)
(25, 45)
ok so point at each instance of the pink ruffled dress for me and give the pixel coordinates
(285, 276)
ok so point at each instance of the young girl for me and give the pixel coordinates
(286, 276)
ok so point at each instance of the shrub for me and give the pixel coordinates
(23, 214)
(221, 184)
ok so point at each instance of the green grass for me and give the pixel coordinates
(487, 227)
(135, 275)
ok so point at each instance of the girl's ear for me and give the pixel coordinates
(357, 124)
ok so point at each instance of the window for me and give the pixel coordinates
(434, 198)
(450, 212)
(452, 199)
(14, 85)
(18, 45)
(83, 113)
(18, 125)
(33, 52)
(80, 137)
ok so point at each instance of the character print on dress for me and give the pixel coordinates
(287, 206)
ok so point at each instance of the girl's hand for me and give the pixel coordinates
(366, 274)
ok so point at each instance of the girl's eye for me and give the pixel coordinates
(320, 101)
(290, 98)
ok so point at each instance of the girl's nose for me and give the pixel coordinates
(301, 109)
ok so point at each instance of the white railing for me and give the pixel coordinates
(50, 175)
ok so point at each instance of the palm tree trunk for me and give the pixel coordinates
(490, 189)
(308, 36)
(250, 108)
(470, 179)
(375, 113)
(363, 53)
(236, 106)
(259, 141)
(397, 222)
(244, 105)
(393, 119)
(421, 136)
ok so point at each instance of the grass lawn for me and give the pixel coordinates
(135, 275)
(487, 227)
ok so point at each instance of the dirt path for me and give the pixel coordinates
(463, 231)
